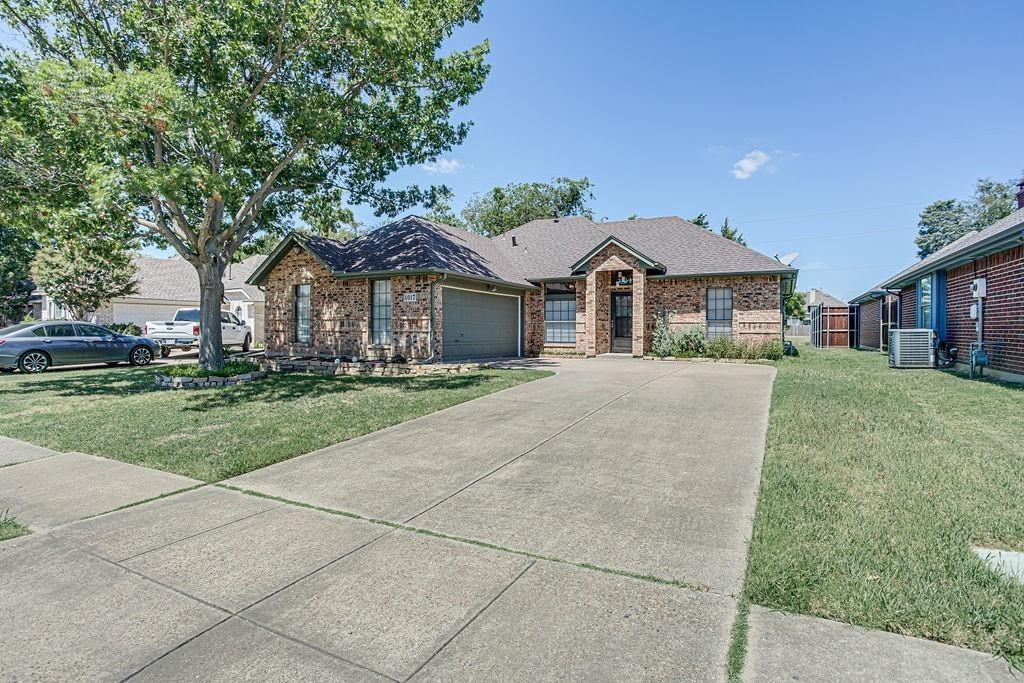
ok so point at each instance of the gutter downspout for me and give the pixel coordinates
(433, 318)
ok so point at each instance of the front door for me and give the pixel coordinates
(622, 322)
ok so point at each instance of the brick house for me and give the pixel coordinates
(936, 293)
(568, 286)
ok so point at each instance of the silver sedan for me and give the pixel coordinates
(34, 347)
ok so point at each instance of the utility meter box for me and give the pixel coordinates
(978, 288)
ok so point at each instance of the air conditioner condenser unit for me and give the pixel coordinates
(912, 348)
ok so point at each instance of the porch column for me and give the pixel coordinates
(639, 282)
(591, 314)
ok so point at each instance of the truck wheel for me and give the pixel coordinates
(165, 351)
(247, 344)
(140, 355)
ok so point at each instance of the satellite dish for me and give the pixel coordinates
(788, 258)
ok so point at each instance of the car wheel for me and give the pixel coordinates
(34, 362)
(140, 355)
(247, 344)
(165, 351)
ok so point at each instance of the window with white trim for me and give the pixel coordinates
(380, 322)
(559, 314)
(719, 312)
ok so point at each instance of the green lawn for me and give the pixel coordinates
(876, 482)
(212, 434)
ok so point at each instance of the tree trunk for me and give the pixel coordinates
(211, 294)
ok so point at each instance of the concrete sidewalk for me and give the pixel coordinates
(63, 487)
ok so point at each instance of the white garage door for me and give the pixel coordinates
(140, 313)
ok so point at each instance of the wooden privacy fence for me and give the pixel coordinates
(830, 326)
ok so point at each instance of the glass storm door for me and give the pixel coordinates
(622, 322)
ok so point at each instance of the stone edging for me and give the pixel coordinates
(330, 367)
(168, 382)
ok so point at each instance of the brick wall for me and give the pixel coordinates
(908, 307)
(533, 325)
(1003, 308)
(410, 320)
(756, 315)
(869, 321)
(339, 316)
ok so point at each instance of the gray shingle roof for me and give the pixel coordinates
(175, 279)
(548, 248)
(817, 296)
(415, 243)
(544, 249)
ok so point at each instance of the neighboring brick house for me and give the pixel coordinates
(569, 286)
(936, 293)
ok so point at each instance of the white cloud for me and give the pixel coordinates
(443, 166)
(749, 164)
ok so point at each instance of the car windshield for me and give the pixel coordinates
(187, 315)
(14, 328)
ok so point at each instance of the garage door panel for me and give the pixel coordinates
(479, 325)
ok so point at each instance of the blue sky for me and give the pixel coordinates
(865, 111)
(851, 116)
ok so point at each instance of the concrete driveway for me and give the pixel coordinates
(588, 525)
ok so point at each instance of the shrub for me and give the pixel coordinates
(772, 350)
(723, 347)
(130, 329)
(663, 343)
(690, 341)
(193, 370)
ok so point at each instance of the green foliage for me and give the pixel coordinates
(16, 252)
(199, 125)
(692, 342)
(504, 208)
(796, 305)
(663, 343)
(229, 369)
(701, 220)
(731, 233)
(130, 329)
(440, 210)
(84, 275)
(948, 220)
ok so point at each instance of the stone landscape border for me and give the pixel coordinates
(366, 368)
(167, 382)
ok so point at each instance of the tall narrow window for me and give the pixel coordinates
(381, 314)
(302, 313)
(924, 302)
(559, 314)
(719, 312)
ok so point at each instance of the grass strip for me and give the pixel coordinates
(472, 541)
(876, 483)
(147, 500)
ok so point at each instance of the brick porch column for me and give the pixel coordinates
(592, 313)
(639, 282)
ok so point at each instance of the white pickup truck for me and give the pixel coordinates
(183, 331)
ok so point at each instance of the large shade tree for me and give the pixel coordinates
(504, 208)
(203, 123)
